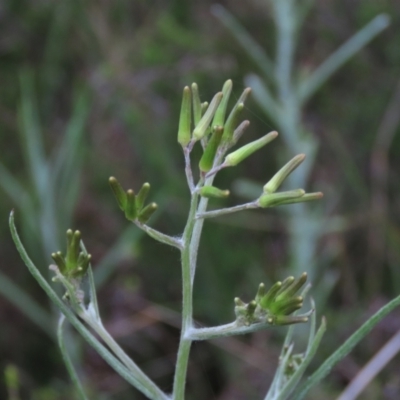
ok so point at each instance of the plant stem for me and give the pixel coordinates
(230, 329)
(67, 360)
(191, 241)
(187, 305)
(161, 237)
(188, 168)
(224, 211)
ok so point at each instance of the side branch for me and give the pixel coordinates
(223, 211)
(231, 329)
(188, 168)
(161, 237)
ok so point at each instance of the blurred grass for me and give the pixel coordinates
(98, 95)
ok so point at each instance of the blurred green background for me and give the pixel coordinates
(90, 89)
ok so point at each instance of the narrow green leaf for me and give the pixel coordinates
(219, 117)
(201, 129)
(345, 348)
(207, 159)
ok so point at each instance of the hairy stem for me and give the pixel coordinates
(224, 211)
(187, 305)
(191, 241)
(161, 237)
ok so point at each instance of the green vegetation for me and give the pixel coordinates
(92, 90)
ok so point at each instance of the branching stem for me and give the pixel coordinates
(161, 237)
(224, 211)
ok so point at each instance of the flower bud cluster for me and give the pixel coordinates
(269, 197)
(76, 262)
(217, 131)
(133, 204)
(274, 306)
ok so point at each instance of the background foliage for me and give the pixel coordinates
(91, 89)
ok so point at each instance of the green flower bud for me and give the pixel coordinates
(260, 292)
(201, 128)
(185, 118)
(231, 123)
(239, 155)
(207, 159)
(82, 265)
(130, 209)
(239, 302)
(233, 118)
(237, 134)
(275, 305)
(142, 195)
(285, 284)
(212, 191)
(76, 262)
(204, 107)
(147, 212)
(73, 249)
(266, 300)
(60, 261)
(197, 106)
(273, 184)
(277, 199)
(287, 306)
(219, 117)
(292, 288)
(243, 97)
(251, 307)
(302, 199)
(119, 192)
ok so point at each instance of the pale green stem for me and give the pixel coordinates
(67, 360)
(230, 210)
(188, 168)
(191, 241)
(161, 237)
(230, 329)
(197, 229)
(187, 305)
